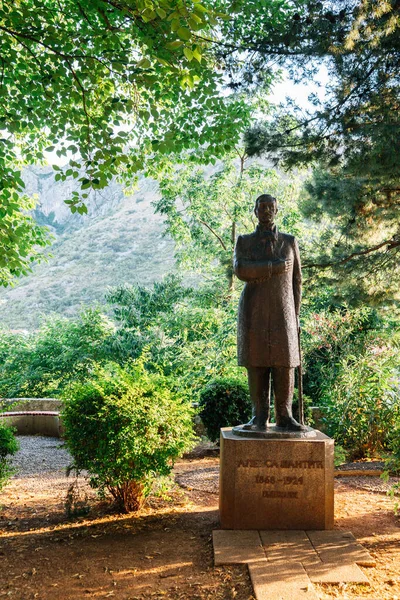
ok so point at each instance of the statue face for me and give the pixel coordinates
(265, 212)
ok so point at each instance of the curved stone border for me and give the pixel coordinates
(46, 423)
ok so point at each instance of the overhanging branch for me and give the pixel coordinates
(221, 241)
(390, 245)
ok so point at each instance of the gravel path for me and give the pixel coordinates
(204, 480)
(46, 458)
(207, 480)
(372, 484)
(43, 457)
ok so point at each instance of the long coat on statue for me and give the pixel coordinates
(270, 301)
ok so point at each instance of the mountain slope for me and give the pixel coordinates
(120, 240)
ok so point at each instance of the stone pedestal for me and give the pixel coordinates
(276, 483)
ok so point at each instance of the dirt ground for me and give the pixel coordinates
(165, 550)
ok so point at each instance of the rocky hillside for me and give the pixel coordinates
(120, 240)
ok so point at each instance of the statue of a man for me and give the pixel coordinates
(268, 323)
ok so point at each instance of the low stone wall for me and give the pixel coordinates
(32, 416)
(34, 422)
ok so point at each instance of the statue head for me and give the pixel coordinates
(265, 209)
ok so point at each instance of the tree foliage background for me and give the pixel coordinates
(121, 87)
(113, 87)
(350, 137)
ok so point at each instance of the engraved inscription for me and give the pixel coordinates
(266, 479)
(273, 475)
(271, 479)
(293, 480)
(283, 464)
(301, 464)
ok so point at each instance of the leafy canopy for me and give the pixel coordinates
(113, 87)
(45, 362)
(205, 210)
(351, 132)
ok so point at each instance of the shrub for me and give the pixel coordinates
(8, 447)
(327, 338)
(224, 402)
(125, 428)
(362, 405)
(44, 362)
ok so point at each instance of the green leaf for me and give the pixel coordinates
(144, 63)
(196, 18)
(188, 53)
(161, 13)
(200, 8)
(184, 33)
(175, 24)
(174, 45)
(197, 54)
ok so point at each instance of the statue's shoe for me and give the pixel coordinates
(290, 424)
(252, 425)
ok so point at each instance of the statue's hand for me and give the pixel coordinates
(288, 264)
(281, 266)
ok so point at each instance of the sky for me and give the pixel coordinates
(300, 92)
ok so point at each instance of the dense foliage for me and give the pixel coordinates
(190, 338)
(205, 212)
(330, 335)
(8, 447)
(352, 372)
(21, 238)
(363, 402)
(45, 362)
(350, 133)
(107, 85)
(124, 428)
(186, 334)
(224, 402)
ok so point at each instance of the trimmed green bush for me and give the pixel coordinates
(8, 447)
(224, 402)
(125, 428)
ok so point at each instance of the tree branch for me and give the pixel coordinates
(221, 241)
(393, 243)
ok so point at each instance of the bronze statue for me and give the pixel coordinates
(268, 321)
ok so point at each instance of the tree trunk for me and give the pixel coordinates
(129, 496)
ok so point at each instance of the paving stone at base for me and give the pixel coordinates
(290, 564)
(340, 547)
(278, 581)
(336, 573)
(237, 547)
(284, 546)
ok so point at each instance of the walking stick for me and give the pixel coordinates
(300, 382)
